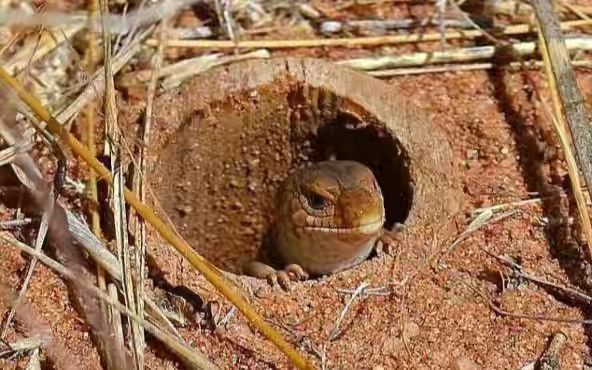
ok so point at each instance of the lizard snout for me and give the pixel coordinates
(362, 209)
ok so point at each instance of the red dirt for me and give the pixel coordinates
(506, 149)
(453, 320)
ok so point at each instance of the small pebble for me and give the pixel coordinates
(472, 154)
(330, 27)
(184, 209)
(411, 330)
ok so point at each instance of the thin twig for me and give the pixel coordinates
(466, 68)
(350, 42)
(90, 118)
(139, 175)
(335, 330)
(458, 55)
(118, 204)
(520, 271)
(483, 219)
(501, 312)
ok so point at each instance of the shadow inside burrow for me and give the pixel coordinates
(534, 144)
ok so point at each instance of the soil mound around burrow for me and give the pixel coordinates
(224, 141)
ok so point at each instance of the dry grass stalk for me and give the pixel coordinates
(484, 218)
(353, 42)
(95, 249)
(579, 12)
(112, 147)
(210, 272)
(467, 67)
(90, 118)
(459, 55)
(565, 94)
(139, 179)
(208, 62)
(115, 316)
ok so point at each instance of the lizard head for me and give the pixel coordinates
(334, 197)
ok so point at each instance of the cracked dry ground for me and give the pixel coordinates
(506, 149)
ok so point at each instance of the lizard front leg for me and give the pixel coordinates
(260, 270)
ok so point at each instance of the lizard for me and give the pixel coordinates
(328, 218)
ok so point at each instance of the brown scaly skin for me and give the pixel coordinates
(329, 217)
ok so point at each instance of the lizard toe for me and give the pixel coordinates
(283, 278)
(386, 244)
(272, 278)
(296, 272)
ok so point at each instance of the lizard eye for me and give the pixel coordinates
(317, 201)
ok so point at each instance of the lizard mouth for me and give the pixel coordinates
(367, 228)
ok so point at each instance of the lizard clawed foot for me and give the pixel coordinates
(386, 244)
(292, 272)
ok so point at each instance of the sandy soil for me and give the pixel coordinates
(497, 146)
(215, 181)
